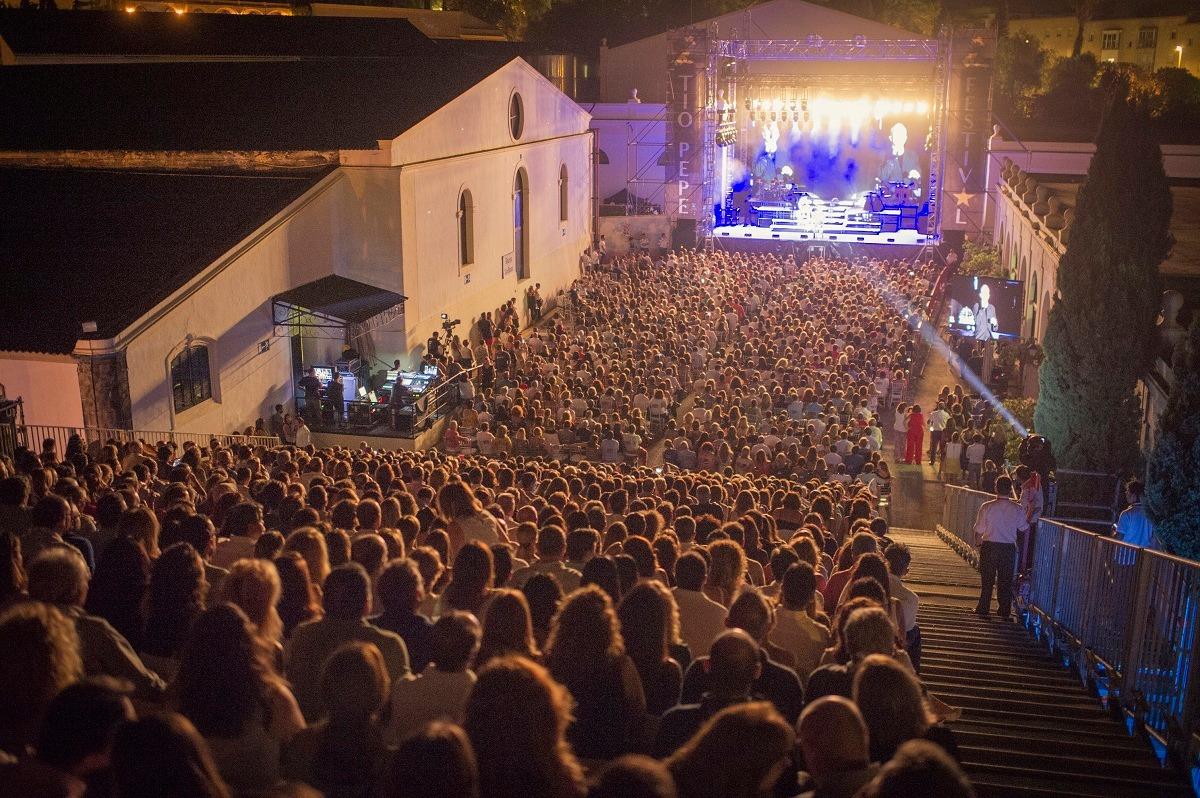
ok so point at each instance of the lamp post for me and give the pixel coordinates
(1178, 55)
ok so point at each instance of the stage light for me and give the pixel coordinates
(908, 108)
(922, 107)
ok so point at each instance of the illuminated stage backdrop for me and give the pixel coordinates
(822, 140)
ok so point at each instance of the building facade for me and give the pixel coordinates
(1148, 42)
(465, 208)
(1031, 206)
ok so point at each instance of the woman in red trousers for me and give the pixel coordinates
(916, 436)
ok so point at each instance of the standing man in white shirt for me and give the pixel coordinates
(976, 452)
(997, 525)
(937, 431)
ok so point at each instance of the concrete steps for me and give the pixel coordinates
(1028, 727)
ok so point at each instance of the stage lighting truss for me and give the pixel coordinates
(814, 48)
(727, 133)
(831, 112)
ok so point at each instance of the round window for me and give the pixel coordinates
(516, 116)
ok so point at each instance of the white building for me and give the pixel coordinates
(151, 242)
(1028, 213)
(1031, 199)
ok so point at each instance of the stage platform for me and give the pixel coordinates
(781, 233)
(836, 221)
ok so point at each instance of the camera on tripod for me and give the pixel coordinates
(448, 324)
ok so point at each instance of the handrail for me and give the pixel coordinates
(35, 434)
(1126, 618)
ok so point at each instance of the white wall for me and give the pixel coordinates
(391, 224)
(1180, 161)
(633, 136)
(433, 279)
(467, 144)
(348, 224)
(47, 384)
(1029, 257)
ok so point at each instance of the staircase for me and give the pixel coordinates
(1028, 727)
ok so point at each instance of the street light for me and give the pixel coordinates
(1178, 55)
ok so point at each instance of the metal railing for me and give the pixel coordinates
(36, 434)
(1126, 618)
(959, 508)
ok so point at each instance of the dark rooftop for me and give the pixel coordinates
(108, 246)
(273, 106)
(97, 34)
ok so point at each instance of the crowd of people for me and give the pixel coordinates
(532, 613)
(758, 363)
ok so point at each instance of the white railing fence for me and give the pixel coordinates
(37, 434)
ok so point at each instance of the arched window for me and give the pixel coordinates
(516, 116)
(563, 197)
(466, 229)
(601, 157)
(191, 381)
(520, 222)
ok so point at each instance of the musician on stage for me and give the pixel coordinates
(901, 166)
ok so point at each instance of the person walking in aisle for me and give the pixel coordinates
(916, 436)
(937, 432)
(900, 430)
(997, 525)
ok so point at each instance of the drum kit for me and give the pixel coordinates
(889, 196)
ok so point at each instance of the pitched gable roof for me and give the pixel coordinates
(245, 106)
(109, 246)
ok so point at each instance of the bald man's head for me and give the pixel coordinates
(733, 662)
(833, 736)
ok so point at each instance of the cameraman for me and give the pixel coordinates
(433, 347)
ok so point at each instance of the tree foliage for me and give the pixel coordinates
(980, 260)
(1070, 94)
(1020, 62)
(1100, 337)
(1173, 473)
(511, 16)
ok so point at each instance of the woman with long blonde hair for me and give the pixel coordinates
(254, 586)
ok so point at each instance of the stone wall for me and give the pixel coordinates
(104, 391)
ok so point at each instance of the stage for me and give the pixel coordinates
(809, 141)
(833, 221)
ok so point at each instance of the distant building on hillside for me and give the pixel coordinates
(1149, 42)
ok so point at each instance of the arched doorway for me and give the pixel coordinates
(520, 222)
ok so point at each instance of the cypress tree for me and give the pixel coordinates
(1100, 338)
(1173, 475)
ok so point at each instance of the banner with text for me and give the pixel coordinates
(687, 59)
(968, 121)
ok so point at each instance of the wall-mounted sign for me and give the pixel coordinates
(508, 264)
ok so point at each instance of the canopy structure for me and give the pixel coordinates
(336, 302)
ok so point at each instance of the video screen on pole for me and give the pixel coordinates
(985, 308)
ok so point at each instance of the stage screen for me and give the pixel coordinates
(801, 164)
(985, 308)
(842, 149)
